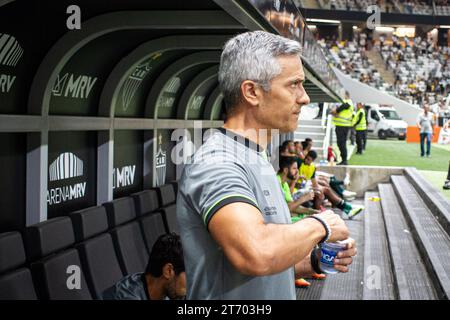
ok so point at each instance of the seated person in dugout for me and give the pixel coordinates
(330, 181)
(326, 180)
(299, 150)
(164, 276)
(308, 172)
(287, 149)
(288, 177)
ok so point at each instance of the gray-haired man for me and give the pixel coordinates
(235, 225)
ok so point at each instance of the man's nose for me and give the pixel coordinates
(302, 97)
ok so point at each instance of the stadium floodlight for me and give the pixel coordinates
(323, 20)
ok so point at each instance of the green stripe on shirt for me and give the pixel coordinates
(205, 216)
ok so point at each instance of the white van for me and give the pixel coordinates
(384, 122)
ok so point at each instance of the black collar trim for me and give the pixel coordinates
(241, 139)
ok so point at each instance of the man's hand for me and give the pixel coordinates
(339, 230)
(345, 258)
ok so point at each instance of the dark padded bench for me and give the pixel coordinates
(54, 263)
(151, 221)
(96, 249)
(128, 240)
(166, 196)
(15, 281)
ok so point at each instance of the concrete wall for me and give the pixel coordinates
(363, 178)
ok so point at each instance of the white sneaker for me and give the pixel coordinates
(349, 195)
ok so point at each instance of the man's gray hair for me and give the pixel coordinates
(252, 56)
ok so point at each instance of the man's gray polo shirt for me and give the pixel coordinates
(221, 172)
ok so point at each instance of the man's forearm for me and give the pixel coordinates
(286, 245)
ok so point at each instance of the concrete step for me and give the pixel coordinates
(315, 122)
(432, 240)
(410, 274)
(379, 64)
(376, 253)
(317, 129)
(315, 136)
(439, 206)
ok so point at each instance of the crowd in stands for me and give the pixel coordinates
(442, 7)
(353, 5)
(421, 68)
(421, 7)
(351, 58)
(416, 6)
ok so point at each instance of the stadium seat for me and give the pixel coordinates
(120, 211)
(166, 195)
(57, 274)
(14, 284)
(170, 218)
(145, 202)
(130, 247)
(98, 255)
(174, 184)
(88, 222)
(128, 239)
(152, 227)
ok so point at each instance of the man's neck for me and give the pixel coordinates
(155, 288)
(283, 177)
(249, 128)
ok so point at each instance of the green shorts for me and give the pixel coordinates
(300, 217)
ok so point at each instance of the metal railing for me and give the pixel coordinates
(326, 140)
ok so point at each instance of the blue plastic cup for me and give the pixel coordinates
(328, 252)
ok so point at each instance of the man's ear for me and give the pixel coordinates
(168, 271)
(251, 92)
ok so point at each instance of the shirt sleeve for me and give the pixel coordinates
(343, 106)
(359, 119)
(211, 185)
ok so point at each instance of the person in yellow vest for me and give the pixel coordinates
(360, 125)
(342, 120)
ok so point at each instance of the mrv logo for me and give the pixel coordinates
(10, 54)
(124, 176)
(72, 86)
(6, 82)
(66, 166)
(10, 50)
